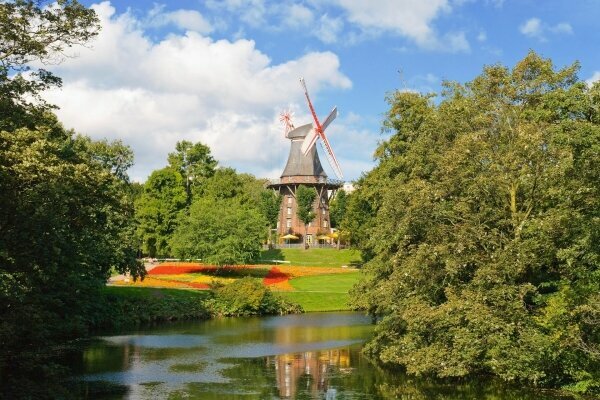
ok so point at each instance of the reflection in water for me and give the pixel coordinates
(313, 367)
(309, 356)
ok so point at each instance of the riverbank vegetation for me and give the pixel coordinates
(482, 225)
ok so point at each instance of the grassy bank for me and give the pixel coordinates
(313, 257)
(131, 306)
(322, 292)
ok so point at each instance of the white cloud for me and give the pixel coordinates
(562, 27)
(532, 27)
(297, 16)
(535, 28)
(251, 12)
(482, 36)
(409, 18)
(594, 78)
(226, 94)
(183, 19)
(329, 29)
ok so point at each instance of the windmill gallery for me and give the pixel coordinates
(304, 168)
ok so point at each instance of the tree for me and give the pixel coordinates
(158, 209)
(305, 198)
(338, 207)
(194, 162)
(270, 203)
(220, 231)
(32, 32)
(485, 214)
(65, 223)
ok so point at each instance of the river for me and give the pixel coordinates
(307, 356)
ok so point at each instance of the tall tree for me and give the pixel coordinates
(194, 162)
(157, 210)
(65, 222)
(269, 205)
(30, 31)
(305, 198)
(485, 214)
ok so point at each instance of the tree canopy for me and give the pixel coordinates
(31, 32)
(482, 225)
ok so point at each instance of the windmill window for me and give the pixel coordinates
(289, 211)
(323, 211)
(289, 223)
(325, 224)
(310, 224)
(289, 199)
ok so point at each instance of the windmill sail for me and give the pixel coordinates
(318, 131)
(331, 157)
(312, 137)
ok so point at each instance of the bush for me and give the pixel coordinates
(248, 296)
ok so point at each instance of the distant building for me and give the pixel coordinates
(304, 170)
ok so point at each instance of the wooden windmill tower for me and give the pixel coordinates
(304, 168)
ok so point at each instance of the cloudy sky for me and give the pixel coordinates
(220, 72)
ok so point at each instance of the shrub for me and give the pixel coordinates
(247, 296)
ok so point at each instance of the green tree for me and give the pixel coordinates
(485, 224)
(269, 206)
(158, 210)
(305, 198)
(65, 223)
(32, 32)
(223, 231)
(195, 164)
(338, 207)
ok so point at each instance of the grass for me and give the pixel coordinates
(146, 293)
(313, 257)
(322, 292)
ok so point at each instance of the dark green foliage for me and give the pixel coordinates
(483, 227)
(123, 307)
(248, 296)
(64, 225)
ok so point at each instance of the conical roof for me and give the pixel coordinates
(299, 164)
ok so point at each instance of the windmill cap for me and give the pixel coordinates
(300, 132)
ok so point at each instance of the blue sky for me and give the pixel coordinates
(221, 71)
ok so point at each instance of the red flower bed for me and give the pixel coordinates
(177, 268)
(275, 276)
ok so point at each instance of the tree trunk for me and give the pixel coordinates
(304, 239)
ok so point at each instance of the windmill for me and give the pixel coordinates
(318, 132)
(303, 168)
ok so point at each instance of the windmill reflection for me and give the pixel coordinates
(310, 371)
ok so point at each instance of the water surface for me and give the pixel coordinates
(308, 356)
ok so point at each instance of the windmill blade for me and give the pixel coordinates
(309, 141)
(312, 109)
(332, 115)
(331, 157)
(312, 137)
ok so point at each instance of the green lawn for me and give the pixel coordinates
(314, 257)
(322, 292)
